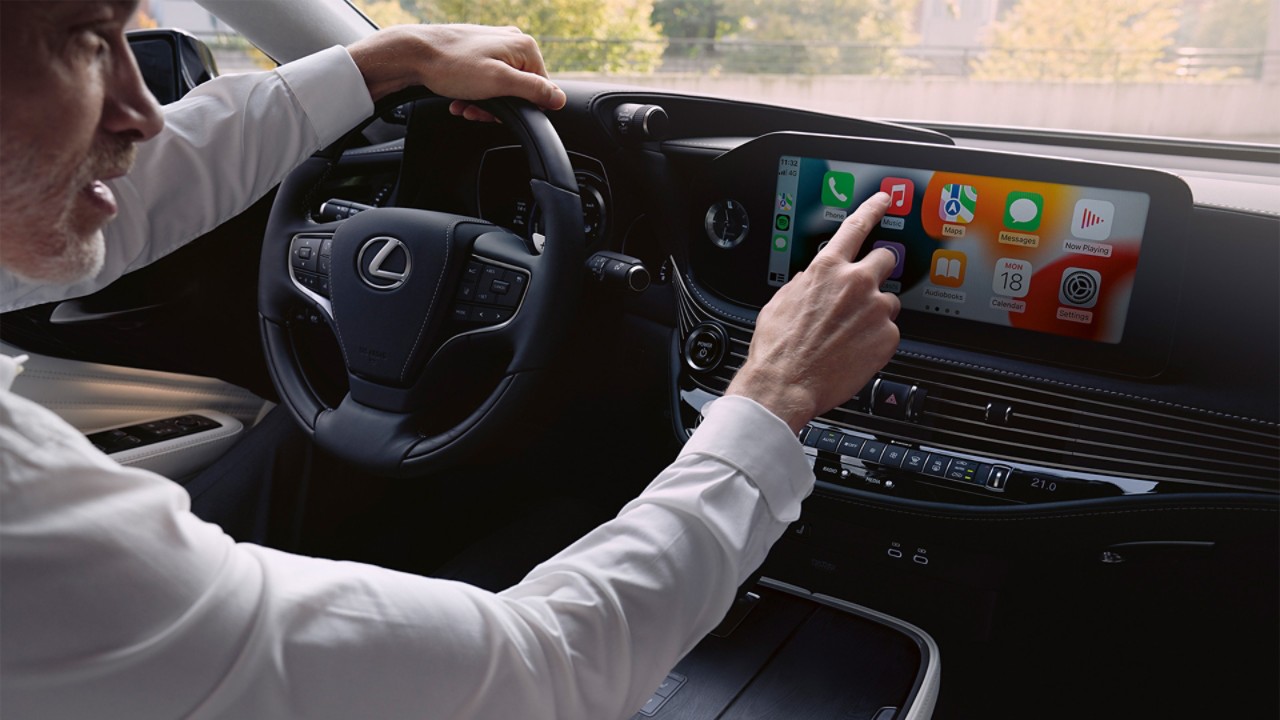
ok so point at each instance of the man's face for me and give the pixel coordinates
(72, 107)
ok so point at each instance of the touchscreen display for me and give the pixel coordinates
(1039, 256)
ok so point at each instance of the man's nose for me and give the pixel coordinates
(129, 107)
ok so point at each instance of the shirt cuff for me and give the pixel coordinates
(741, 432)
(330, 90)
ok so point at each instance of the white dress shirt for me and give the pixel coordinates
(117, 602)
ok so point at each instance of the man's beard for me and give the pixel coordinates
(43, 246)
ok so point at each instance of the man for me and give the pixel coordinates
(115, 601)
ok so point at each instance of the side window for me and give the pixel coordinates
(232, 52)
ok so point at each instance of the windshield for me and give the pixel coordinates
(1204, 69)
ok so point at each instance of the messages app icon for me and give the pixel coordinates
(837, 189)
(1022, 211)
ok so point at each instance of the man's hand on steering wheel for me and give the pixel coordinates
(463, 62)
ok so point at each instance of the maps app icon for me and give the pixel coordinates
(958, 202)
(786, 202)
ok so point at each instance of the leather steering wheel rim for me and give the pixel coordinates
(377, 425)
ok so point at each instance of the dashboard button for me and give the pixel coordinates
(893, 455)
(895, 400)
(850, 446)
(829, 440)
(962, 470)
(811, 435)
(828, 470)
(914, 460)
(936, 465)
(705, 347)
(871, 451)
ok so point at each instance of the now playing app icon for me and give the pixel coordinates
(1092, 219)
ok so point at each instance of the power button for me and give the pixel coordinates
(704, 348)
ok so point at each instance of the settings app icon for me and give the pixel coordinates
(1080, 287)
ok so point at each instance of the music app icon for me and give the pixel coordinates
(900, 191)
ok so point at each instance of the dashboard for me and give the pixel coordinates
(1072, 329)
(1077, 445)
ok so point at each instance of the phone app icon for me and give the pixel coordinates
(958, 203)
(780, 243)
(1092, 219)
(901, 191)
(899, 251)
(782, 222)
(1080, 287)
(947, 268)
(837, 189)
(1022, 211)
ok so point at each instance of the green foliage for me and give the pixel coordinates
(575, 35)
(706, 19)
(800, 36)
(1102, 40)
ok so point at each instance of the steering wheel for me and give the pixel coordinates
(417, 299)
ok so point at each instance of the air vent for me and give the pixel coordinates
(1068, 428)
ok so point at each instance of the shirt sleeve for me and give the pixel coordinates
(117, 597)
(223, 147)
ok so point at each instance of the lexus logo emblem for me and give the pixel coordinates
(384, 263)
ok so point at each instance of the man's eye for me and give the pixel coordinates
(93, 42)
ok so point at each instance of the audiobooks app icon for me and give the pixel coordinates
(947, 268)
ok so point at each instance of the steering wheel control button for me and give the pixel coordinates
(488, 294)
(705, 347)
(895, 400)
(305, 253)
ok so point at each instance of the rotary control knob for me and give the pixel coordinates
(641, 122)
(705, 347)
(727, 223)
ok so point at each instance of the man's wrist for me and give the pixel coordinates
(790, 402)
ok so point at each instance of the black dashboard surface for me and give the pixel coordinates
(1055, 523)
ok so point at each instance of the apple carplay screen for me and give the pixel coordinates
(1047, 257)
